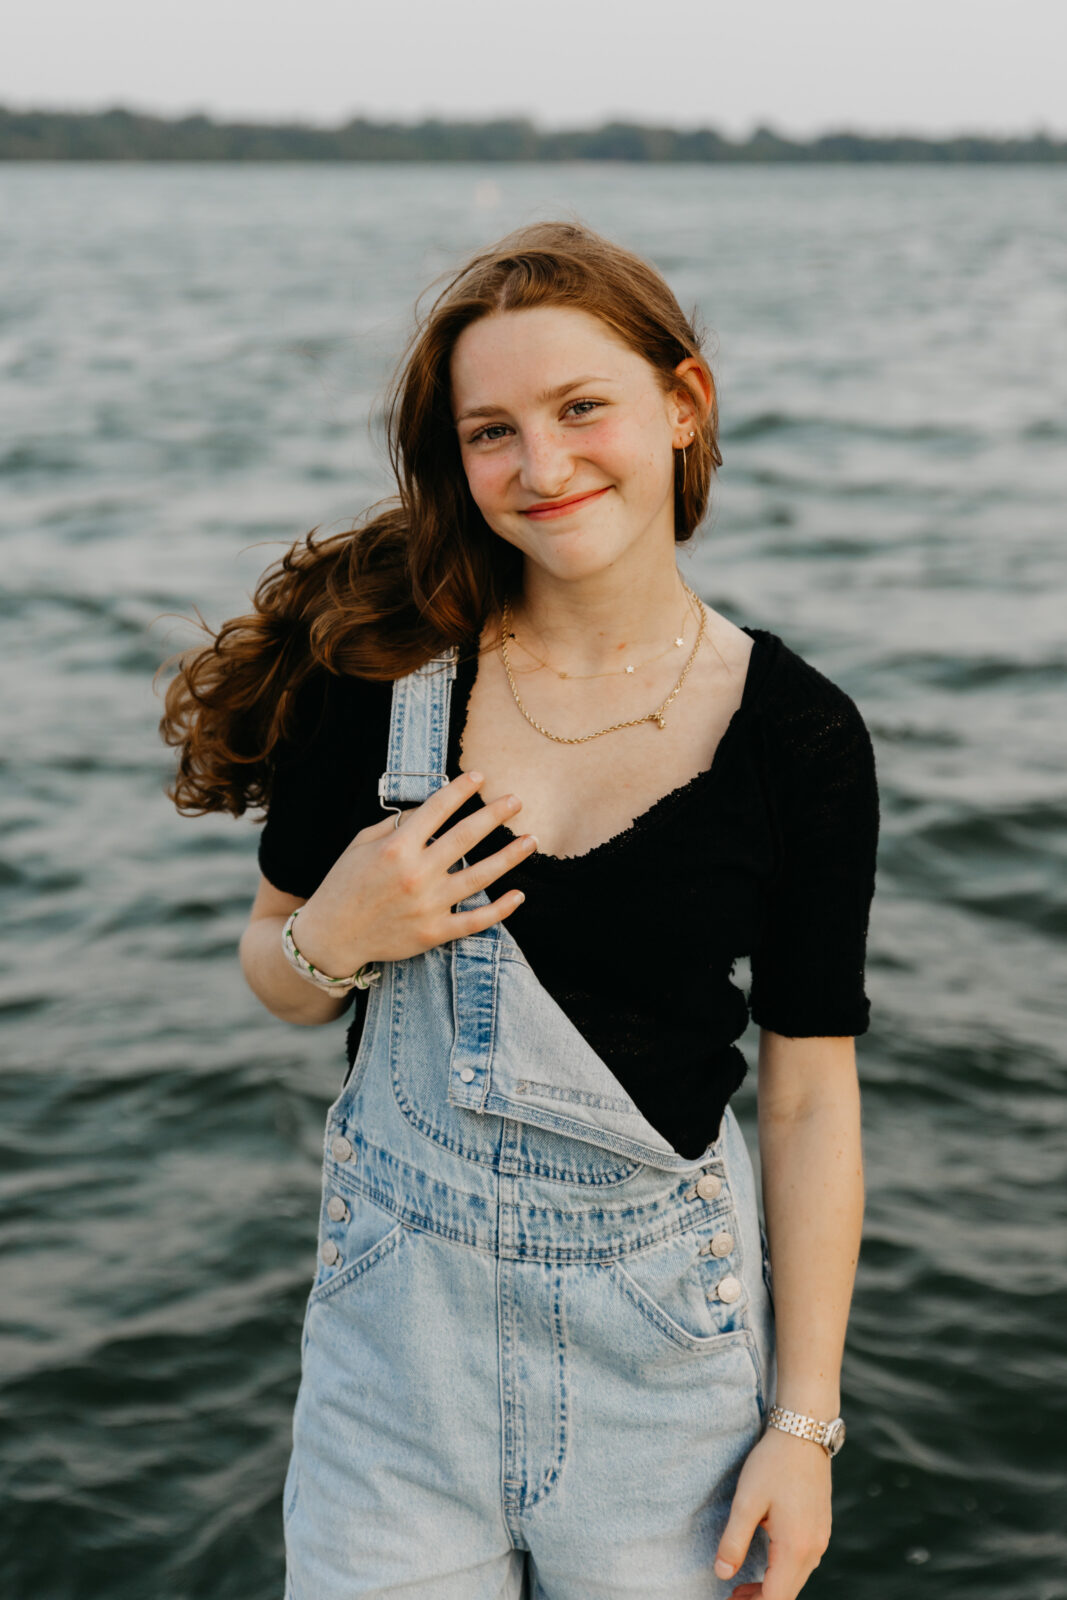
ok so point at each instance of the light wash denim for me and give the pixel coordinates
(536, 1352)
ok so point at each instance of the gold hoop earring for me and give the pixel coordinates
(685, 462)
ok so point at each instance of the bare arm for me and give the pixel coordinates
(812, 1162)
(267, 972)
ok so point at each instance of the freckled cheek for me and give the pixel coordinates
(607, 437)
(612, 448)
(488, 481)
(625, 453)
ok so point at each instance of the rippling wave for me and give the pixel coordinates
(189, 358)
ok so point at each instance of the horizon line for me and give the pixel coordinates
(764, 126)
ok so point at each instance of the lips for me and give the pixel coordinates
(548, 509)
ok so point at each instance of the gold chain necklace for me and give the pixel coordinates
(634, 722)
(616, 672)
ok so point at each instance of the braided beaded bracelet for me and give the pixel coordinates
(361, 979)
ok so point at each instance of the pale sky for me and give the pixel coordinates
(805, 66)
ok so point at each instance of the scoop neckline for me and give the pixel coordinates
(660, 810)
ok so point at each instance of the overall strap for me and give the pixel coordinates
(418, 733)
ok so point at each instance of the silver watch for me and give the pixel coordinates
(831, 1435)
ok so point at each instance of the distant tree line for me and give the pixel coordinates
(121, 135)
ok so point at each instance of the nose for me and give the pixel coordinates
(547, 464)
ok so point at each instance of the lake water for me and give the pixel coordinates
(188, 361)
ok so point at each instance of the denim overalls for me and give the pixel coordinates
(540, 1343)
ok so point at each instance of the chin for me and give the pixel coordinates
(572, 556)
(573, 567)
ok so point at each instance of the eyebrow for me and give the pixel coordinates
(543, 398)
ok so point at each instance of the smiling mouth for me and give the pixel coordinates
(560, 508)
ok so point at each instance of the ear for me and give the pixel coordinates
(690, 402)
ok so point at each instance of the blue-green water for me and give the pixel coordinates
(188, 361)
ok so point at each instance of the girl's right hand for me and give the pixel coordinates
(389, 894)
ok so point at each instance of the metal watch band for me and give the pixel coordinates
(831, 1435)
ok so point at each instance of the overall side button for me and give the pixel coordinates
(720, 1244)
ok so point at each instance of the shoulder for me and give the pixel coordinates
(324, 778)
(817, 746)
(333, 716)
(803, 706)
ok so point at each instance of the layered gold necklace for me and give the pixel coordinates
(656, 716)
(630, 667)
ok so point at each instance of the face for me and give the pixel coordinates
(567, 438)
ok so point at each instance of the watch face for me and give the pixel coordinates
(836, 1438)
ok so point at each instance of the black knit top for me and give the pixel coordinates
(769, 853)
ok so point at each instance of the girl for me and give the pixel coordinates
(528, 800)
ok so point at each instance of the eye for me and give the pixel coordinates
(489, 434)
(593, 405)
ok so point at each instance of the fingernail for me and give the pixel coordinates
(531, 842)
(476, 777)
(723, 1569)
(521, 896)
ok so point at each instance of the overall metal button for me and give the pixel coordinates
(467, 1075)
(336, 1209)
(722, 1244)
(341, 1149)
(729, 1289)
(709, 1186)
(330, 1252)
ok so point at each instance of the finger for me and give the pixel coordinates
(461, 885)
(472, 879)
(379, 830)
(737, 1536)
(463, 923)
(427, 818)
(456, 842)
(788, 1569)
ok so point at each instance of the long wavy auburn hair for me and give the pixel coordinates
(422, 571)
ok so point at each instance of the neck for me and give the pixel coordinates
(590, 623)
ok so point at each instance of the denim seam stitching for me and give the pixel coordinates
(552, 1473)
(511, 1483)
(368, 1189)
(580, 1097)
(429, 1130)
(620, 1144)
(597, 1255)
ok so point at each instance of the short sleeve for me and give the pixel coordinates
(324, 786)
(808, 964)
